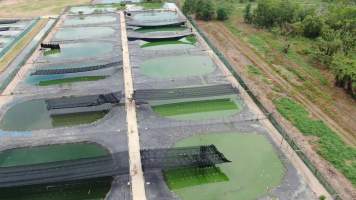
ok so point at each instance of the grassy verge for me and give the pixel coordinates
(70, 80)
(195, 107)
(77, 118)
(33, 8)
(329, 145)
(18, 47)
(188, 177)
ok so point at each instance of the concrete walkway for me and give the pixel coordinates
(136, 173)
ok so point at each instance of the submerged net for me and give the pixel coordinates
(75, 70)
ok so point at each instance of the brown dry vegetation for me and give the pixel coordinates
(33, 8)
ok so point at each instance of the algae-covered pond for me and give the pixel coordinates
(184, 43)
(81, 50)
(33, 115)
(50, 153)
(93, 189)
(99, 19)
(60, 79)
(177, 66)
(196, 110)
(76, 33)
(155, 16)
(255, 169)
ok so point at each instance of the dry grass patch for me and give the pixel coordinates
(33, 8)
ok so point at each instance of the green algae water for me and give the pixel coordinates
(183, 43)
(255, 169)
(156, 16)
(81, 50)
(177, 66)
(83, 33)
(94, 189)
(33, 115)
(197, 110)
(50, 153)
(101, 19)
(161, 29)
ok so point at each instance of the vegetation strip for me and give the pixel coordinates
(15, 50)
(195, 107)
(329, 145)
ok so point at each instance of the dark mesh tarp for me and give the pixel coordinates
(83, 101)
(75, 69)
(180, 93)
(110, 165)
(8, 21)
(4, 28)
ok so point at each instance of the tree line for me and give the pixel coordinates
(332, 27)
(208, 9)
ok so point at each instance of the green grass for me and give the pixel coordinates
(254, 171)
(50, 153)
(253, 70)
(70, 80)
(77, 118)
(195, 107)
(330, 146)
(188, 177)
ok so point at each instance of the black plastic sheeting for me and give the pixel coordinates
(83, 101)
(76, 69)
(141, 96)
(8, 21)
(110, 165)
(4, 28)
(50, 46)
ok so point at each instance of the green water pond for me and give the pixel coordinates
(33, 115)
(83, 33)
(198, 110)
(255, 169)
(80, 50)
(177, 66)
(93, 189)
(80, 20)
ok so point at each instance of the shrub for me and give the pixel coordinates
(312, 26)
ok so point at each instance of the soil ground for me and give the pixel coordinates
(271, 84)
(22, 8)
